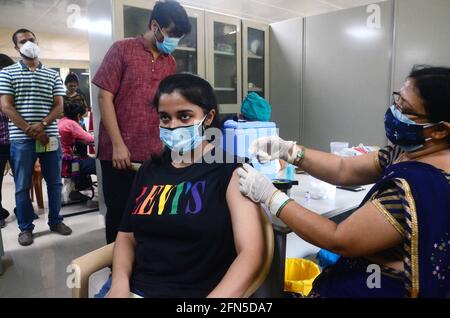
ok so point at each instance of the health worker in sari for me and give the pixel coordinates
(403, 224)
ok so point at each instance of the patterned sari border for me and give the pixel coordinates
(390, 218)
(414, 239)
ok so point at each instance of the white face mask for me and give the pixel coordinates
(30, 50)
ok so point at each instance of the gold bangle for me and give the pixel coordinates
(271, 198)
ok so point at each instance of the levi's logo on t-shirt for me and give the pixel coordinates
(184, 198)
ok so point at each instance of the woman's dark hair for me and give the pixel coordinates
(5, 61)
(194, 89)
(167, 12)
(432, 84)
(71, 78)
(72, 110)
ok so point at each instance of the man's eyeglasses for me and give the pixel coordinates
(396, 97)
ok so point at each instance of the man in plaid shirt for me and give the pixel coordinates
(128, 79)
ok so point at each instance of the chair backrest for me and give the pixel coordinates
(268, 250)
(87, 265)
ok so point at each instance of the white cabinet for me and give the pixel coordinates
(132, 18)
(255, 58)
(190, 54)
(223, 60)
(232, 54)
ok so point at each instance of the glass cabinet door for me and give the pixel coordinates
(186, 53)
(255, 59)
(135, 21)
(190, 54)
(133, 17)
(224, 60)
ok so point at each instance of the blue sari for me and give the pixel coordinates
(427, 262)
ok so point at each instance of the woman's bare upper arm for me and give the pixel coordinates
(246, 218)
(365, 232)
(363, 169)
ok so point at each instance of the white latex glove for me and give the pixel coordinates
(260, 189)
(273, 147)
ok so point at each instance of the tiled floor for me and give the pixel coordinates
(39, 270)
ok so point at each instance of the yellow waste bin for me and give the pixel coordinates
(299, 275)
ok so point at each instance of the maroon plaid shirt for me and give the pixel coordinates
(4, 130)
(130, 72)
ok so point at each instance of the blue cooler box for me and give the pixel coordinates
(238, 136)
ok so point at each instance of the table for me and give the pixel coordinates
(343, 202)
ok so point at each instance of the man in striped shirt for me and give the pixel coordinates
(32, 98)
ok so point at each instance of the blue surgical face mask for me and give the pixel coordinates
(404, 132)
(183, 139)
(168, 45)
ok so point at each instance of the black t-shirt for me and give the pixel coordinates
(182, 225)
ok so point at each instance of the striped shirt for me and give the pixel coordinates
(33, 95)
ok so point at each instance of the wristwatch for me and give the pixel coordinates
(44, 123)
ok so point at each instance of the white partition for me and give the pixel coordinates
(100, 13)
(350, 61)
(422, 33)
(346, 76)
(286, 51)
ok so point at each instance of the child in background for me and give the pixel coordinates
(71, 132)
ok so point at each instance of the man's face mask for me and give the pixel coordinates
(403, 131)
(168, 44)
(30, 50)
(183, 139)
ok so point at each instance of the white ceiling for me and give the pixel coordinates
(51, 16)
(275, 10)
(47, 16)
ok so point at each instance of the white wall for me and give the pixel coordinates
(349, 71)
(346, 76)
(422, 36)
(286, 44)
(53, 46)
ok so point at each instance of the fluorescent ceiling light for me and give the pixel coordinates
(99, 26)
(363, 33)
